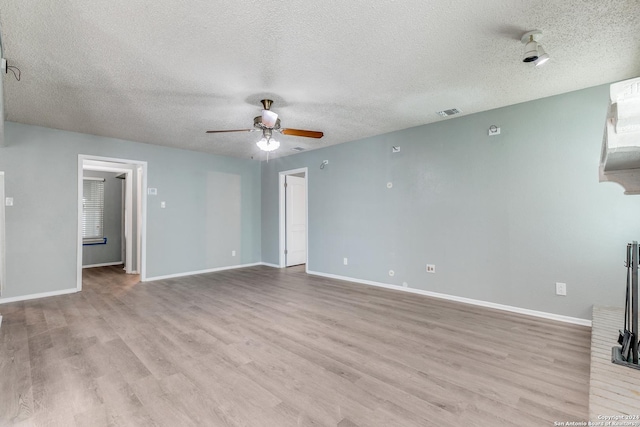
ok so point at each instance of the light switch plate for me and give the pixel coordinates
(8, 201)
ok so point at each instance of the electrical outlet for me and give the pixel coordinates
(345, 261)
(233, 253)
(431, 268)
(163, 205)
(561, 289)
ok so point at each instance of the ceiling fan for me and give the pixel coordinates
(269, 122)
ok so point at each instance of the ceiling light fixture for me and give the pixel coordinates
(533, 51)
(269, 144)
(543, 56)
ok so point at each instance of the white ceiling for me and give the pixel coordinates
(165, 71)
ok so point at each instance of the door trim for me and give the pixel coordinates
(142, 226)
(3, 236)
(128, 212)
(282, 210)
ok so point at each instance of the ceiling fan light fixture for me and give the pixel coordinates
(268, 144)
(269, 118)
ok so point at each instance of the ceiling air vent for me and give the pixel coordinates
(298, 149)
(449, 112)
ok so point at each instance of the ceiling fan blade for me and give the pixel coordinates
(300, 132)
(233, 130)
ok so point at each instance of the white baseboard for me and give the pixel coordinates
(268, 264)
(104, 264)
(40, 295)
(525, 311)
(192, 273)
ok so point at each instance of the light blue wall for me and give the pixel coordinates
(110, 252)
(41, 173)
(503, 218)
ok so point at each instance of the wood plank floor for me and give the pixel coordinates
(269, 347)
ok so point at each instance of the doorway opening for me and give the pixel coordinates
(119, 183)
(294, 217)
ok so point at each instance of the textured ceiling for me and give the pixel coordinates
(165, 71)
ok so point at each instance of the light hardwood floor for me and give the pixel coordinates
(268, 347)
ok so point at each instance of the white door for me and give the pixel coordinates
(296, 220)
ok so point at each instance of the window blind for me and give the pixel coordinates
(92, 209)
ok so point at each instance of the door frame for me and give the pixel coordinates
(3, 236)
(127, 215)
(282, 213)
(135, 166)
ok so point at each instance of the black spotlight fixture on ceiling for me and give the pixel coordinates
(533, 51)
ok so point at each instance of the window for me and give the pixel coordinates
(92, 210)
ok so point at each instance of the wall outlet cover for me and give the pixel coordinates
(8, 201)
(431, 268)
(345, 261)
(561, 289)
